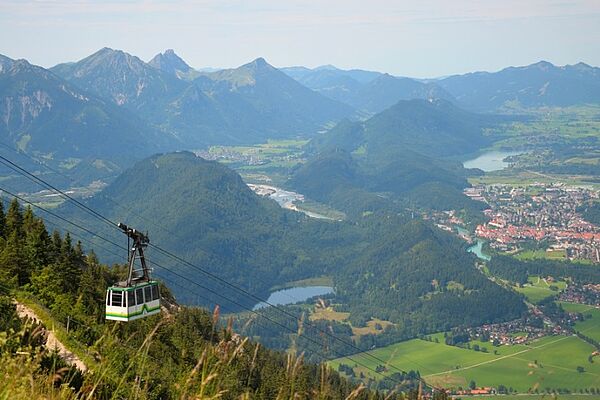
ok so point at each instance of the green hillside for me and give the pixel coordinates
(399, 152)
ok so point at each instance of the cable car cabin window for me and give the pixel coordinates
(130, 298)
(117, 299)
(155, 294)
(148, 293)
(139, 294)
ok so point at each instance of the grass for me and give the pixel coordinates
(590, 326)
(316, 281)
(575, 307)
(535, 294)
(540, 397)
(329, 314)
(538, 289)
(550, 362)
(374, 326)
(573, 122)
(371, 328)
(542, 254)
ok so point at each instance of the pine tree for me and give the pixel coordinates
(70, 265)
(13, 261)
(28, 220)
(55, 247)
(38, 245)
(2, 220)
(14, 218)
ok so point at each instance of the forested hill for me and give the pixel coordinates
(397, 151)
(203, 212)
(434, 128)
(208, 215)
(181, 353)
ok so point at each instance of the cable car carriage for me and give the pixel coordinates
(138, 296)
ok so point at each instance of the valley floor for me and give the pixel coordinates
(547, 363)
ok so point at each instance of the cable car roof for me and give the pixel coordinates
(122, 286)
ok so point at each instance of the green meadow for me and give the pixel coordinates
(591, 325)
(548, 363)
(538, 289)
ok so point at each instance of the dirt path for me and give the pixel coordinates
(52, 343)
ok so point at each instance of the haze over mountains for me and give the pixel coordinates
(366, 91)
(381, 151)
(242, 105)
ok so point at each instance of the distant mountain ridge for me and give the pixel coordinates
(368, 91)
(118, 76)
(535, 85)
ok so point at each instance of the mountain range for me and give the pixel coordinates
(243, 105)
(60, 124)
(536, 85)
(112, 108)
(367, 91)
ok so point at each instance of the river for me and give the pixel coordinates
(491, 160)
(294, 295)
(285, 198)
(477, 249)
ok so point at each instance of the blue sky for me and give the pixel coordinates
(425, 38)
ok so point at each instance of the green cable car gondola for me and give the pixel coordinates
(138, 296)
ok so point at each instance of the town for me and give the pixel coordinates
(540, 214)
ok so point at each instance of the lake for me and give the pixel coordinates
(294, 295)
(491, 160)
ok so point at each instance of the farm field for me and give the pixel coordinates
(543, 254)
(550, 362)
(537, 397)
(575, 307)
